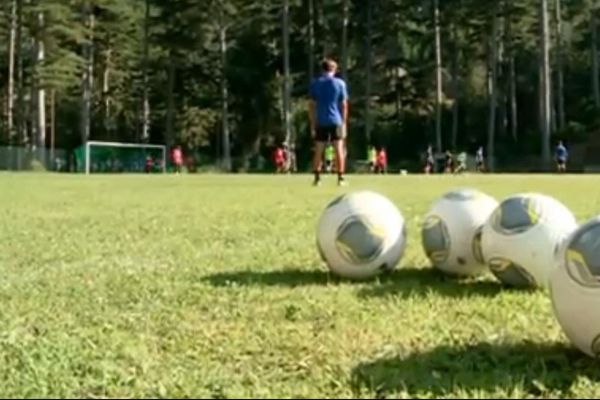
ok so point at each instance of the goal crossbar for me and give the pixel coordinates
(91, 143)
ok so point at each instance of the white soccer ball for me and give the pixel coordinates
(520, 239)
(575, 287)
(361, 234)
(451, 231)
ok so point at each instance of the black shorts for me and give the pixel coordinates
(561, 161)
(329, 133)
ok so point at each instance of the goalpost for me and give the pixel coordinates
(131, 155)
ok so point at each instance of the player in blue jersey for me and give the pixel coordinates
(561, 155)
(328, 113)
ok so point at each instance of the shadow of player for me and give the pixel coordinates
(532, 369)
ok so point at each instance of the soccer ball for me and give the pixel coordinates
(520, 239)
(575, 287)
(361, 234)
(451, 232)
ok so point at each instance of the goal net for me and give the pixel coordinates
(115, 157)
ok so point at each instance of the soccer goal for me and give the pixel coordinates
(111, 157)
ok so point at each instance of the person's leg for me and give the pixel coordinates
(340, 159)
(317, 159)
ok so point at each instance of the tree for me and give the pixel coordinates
(286, 71)
(87, 78)
(594, 53)
(12, 44)
(438, 75)
(492, 87)
(560, 95)
(146, 77)
(39, 91)
(546, 81)
(368, 69)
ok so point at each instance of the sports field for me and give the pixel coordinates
(212, 286)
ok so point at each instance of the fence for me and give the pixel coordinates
(13, 158)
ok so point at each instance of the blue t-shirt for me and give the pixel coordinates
(561, 152)
(328, 92)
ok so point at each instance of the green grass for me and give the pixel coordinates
(211, 286)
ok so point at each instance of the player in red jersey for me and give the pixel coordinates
(177, 157)
(381, 164)
(279, 159)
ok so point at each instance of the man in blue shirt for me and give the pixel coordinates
(561, 157)
(328, 113)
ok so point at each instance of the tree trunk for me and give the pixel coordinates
(106, 92)
(311, 40)
(87, 82)
(146, 82)
(170, 121)
(546, 109)
(224, 95)
(501, 92)
(52, 125)
(438, 76)
(512, 77)
(514, 121)
(368, 72)
(12, 40)
(560, 91)
(21, 104)
(286, 73)
(492, 91)
(595, 69)
(456, 86)
(40, 93)
(345, 24)
(322, 29)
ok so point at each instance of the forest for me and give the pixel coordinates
(228, 79)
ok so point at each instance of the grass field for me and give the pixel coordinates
(211, 286)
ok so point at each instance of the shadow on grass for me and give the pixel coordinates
(285, 277)
(538, 369)
(407, 282)
(404, 282)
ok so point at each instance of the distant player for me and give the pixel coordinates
(429, 161)
(292, 165)
(479, 160)
(177, 157)
(461, 163)
(149, 165)
(279, 159)
(561, 155)
(449, 162)
(381, 163)
(329, 157)
(372, 158)
(328, 113)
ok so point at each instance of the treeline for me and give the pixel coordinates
(228, 78)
